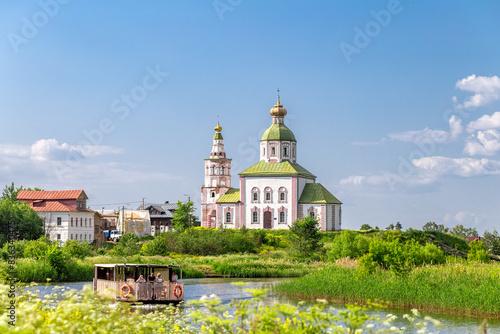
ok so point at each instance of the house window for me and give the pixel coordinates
(255, 217)
(81, 236)
(228, 217)
(81, 221)
(282, 217)
(71, 221)
(90, 221)
(58, 236)
(85, 221)
(72, 237)
(312, 215)
(58, 221)
(85, 236)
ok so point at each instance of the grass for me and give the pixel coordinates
(458, 288)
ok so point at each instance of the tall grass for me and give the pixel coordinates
(455, 287)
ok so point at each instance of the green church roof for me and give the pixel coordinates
(277, 169)
(278, 132)
(231, 196)
(316, 193)
(218, 135)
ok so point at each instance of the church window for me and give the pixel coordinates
(273, 150)
(282, 195)
(282, 217)
(268, 194)
(222, 170)
(228, 217)
(293, 152)
(255, 195)
(285, 151)
(263, 151)
(312, 215)
(85, 221)
(255, 217)
(213, 193)
(212, 170)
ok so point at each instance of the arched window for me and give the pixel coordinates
(273, 150)
(282, 217)
(222, 170)
(228, 217)
(312, 215)
(255, 195)
(85, 221)
(213, 193)
(285, 151)
(293, 152)
(212, 170)
(268, 195)
(263, 151)
(282, 195)
(255, 217)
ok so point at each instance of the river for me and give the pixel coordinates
(197, 287)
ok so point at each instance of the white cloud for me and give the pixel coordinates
(50, 150)
(484, 143)
(465, 218)
(431, 136)
(486, 90)
(485, 122)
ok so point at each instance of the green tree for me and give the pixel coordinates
(478, 252)
(183, 216)
(304, 236)
(433, 227)
(491, 241)
(127, 246)
(390, 227)
(10, 192)
(398, 226)
(461, 231)
(21, 219)
(365, 227)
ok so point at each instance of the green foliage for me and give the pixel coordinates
(10, 192)
(365, 227)
(38, 249)
(491, 241)
(78, 249)
(183, 216)
(478, 252)
(348, 244)
(157, 246)
(126, 246)
(304, 236)
(433, 227)
(21, 219)
(462, 231)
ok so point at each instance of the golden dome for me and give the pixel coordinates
(218, 128)
(278, 109)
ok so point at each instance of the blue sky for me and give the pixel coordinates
(395, 104)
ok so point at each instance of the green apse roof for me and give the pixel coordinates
(231, 196)
(218, 135)
(278, 132)
(277, 169)
(316, 193)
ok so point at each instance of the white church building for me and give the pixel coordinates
(273, 193)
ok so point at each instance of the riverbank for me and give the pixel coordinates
(456, 288)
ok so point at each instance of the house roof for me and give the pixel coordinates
(277, 169)
(231, 196)
(55, 206)
(316, 193)
(278, 131)
(24, 195)
(166, 209)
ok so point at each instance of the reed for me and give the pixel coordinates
(462, 288)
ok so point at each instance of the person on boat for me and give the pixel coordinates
(141, 288)
(159, 278)
(174, 277)
(151, 280)
(151, 277)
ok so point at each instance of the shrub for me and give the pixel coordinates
(478, 252)
(77, 249)
(348, 244)
(157, 246)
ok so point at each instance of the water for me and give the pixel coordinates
(197, 287)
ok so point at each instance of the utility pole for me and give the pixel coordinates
(143, 202)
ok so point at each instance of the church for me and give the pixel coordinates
(273, 193)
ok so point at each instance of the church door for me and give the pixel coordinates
(268, 220)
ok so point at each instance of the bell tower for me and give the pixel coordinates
(217, 179)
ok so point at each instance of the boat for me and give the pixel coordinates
(121, 282)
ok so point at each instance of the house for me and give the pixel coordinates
(64, 213)
(161, 216)
(273, 193)
(134, 221)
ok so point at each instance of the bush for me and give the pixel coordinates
(478, 252)
(348, 244)
(157, 246)
(78, 249)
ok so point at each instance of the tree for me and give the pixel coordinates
(433, 227)
(399, 227)
(365, 227)
(18, 221)
(183, 218)
(304, 236)
(461, 231)
(390, 227)
(491, 241)
(10, 192)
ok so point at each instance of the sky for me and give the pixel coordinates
(395, 105)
